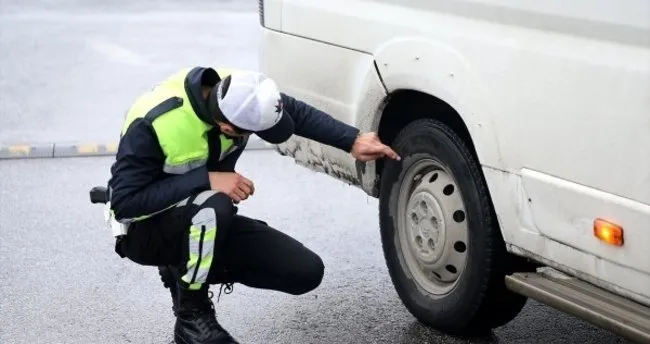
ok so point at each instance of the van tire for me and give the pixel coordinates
(478, 300)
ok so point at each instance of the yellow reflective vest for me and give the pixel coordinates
(181, 133)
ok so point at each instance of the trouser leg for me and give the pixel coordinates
(260, 256)
(209, 215)
(183, 241)
(170, 282)
(237, 249)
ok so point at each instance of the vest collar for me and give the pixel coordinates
(195, 79)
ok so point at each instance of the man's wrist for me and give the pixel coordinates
(356, 134)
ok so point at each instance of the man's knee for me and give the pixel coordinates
(218, 205)
(309, 276)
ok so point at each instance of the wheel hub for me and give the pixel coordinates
(425, 223)
(433, 231)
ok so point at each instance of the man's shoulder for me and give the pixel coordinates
(140, 136)
(139, 127)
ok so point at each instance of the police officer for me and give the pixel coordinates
(175, 187)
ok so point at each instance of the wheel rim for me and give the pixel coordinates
(432, 226)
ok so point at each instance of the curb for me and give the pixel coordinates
(66, 150)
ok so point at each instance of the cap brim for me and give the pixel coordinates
(278, 133)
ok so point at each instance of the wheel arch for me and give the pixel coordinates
(404, 106)
(427, 78)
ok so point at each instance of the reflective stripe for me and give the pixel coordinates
(203, 196)
(206, 256)
(195, 286)
(202, 273)
(195, 248)
(140, 218)
(201, 246)
(183, 202)
(185, 167)
(199, 200)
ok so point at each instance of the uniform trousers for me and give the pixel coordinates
(205, 241)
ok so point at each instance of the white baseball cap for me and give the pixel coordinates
(251, 101)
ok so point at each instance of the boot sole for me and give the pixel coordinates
(180, 340)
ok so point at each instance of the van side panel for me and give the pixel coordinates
(342, 82)
(561, 87)
(581, 72)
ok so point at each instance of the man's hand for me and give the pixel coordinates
(367, 147)
(232, 184)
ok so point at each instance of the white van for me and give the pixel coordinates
(524, 128)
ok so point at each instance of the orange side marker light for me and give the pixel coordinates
(608, 232)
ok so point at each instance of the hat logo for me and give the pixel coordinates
(278, 109)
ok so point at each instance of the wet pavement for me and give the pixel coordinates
(68, 70)
(61, 282)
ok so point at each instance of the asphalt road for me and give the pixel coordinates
(60, 281)
(68, 69)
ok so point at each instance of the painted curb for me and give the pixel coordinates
(66, 150)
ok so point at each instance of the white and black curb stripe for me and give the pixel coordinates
(64, 150)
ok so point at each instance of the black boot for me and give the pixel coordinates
(196, 322)
(170, 282)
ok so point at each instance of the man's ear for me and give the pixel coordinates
(226, 129)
